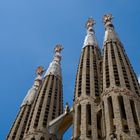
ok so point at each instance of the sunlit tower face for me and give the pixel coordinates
(121, 90)
(87, 89)
(18, 129)
(106, 99)
(49, 103)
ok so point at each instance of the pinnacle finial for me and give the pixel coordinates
(55, 66)
(39, 70)
(90, 22)
(67, 108)
(107, 18)
(58, 48)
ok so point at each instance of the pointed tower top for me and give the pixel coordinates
(39, 70)
(90, 37)
(110, 34)
(58, 48)
(90, 22)
(32, 92)
(107, 18)
(54, 67)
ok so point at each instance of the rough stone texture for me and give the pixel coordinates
(107, 95)
(48, 106)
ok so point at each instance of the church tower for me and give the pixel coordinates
(121, 91)
(106, 99)
(49, 103)
(18, 129)
(87, 88)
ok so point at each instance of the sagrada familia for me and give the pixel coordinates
(106, 100)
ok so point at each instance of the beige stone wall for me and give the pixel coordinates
(118, 121)
(48, 106)
(18, 129)
(86, 98)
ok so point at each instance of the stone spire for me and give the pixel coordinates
(54, 67)
(121, 90)
(31, 94)
(49, 102)
(18, 128)
(107, 19)
(110, 34)
(87, 88)
(90, 37)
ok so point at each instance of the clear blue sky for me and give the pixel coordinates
(29, 30)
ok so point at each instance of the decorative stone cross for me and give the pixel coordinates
(90, 23)
(58, 48)
(107, 18)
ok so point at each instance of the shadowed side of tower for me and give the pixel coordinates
(49, 102)
(121, 92)
(87, 90)
(18, 129)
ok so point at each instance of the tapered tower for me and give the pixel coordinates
(18, 129)
(121, 91)
(87, 89)
(49, 102)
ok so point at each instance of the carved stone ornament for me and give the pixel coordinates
(39, 70)
(107, 18)
(90, 22)
(58, 48)
(123, 91)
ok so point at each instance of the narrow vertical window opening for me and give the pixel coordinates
(135, 116)
(99, 124)
(78, 120)
(88, 114)
(111, 114)
(123, 114)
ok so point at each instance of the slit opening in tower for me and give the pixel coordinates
(123, 114)
(132, 73)
(95, 68)
(60, 100)
(25, 122)
(47, 108)
(99, 124)
(135, 117)
(103, 120)
(111, 114)
(88, 71)
(115, 69)
(18, 123)
(88, 115)
(42, 97)
(54, 113)
(107, 68)
(78, 121)
(80, 74)
(42, 138)
(125, 75)
(101, 76)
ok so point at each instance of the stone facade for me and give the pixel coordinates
(18, 129)
(113, 110)
(49, 103)
(121, 91)
(106, 99)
